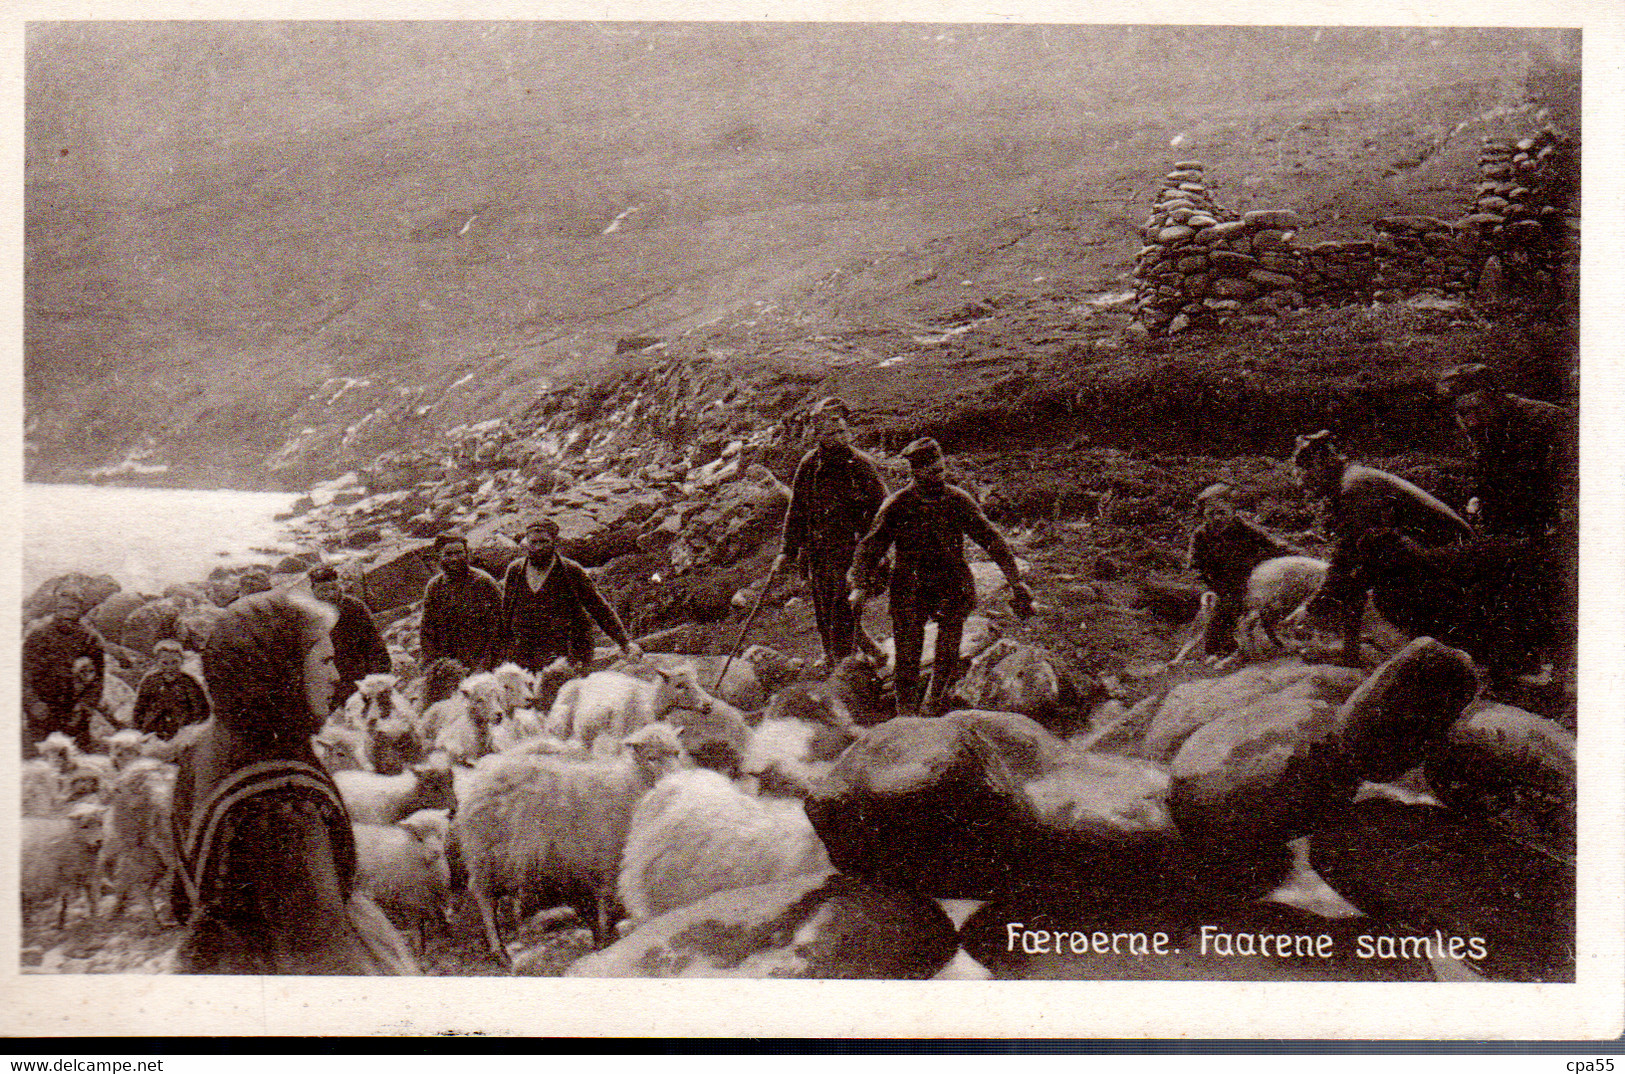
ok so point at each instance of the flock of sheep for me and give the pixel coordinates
(622, 793)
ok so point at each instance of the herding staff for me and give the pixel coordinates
(749, 620)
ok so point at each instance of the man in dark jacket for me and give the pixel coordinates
(51, 694)
(549, 606)
(462, 610)
(833, 499)
(927, 522)
(358, 648)
(1524, 454)
(1362, 499)
(168, 698)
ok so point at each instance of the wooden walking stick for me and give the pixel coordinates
(749, 621)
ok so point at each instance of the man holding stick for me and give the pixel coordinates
(833, 499)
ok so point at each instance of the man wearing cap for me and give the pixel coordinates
(1224, 549)
(549, 606)
(168, 698)
(1523, 450)
(833, 499)
(358, 648)
(462, 610)
(1361, 499)
(51, 693)
(927, 522)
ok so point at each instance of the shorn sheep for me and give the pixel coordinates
(403, 867)
(543, 828)
(696, 834)
(137, 851)
(1277, 588)
(60, 856)
(374, 799)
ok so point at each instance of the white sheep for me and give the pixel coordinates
(126, 746)
(605, 705)
(341, 748)
(404, 868)
(787, 756)
(59, 859)
(376, 697)
(137, 851)
(696, 834)
(1277, 588)
(42, 785)
(467, 737)
(375, 799)
(518, 686)
(550, 830)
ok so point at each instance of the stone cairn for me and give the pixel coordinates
(1203, 263)
(1522, 208)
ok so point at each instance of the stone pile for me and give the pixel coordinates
(1202, 260)
(1521, 208)
(1201, 263)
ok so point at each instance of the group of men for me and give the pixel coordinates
(1523, 458)
(851, 540)
(838, 530)
(543, 609)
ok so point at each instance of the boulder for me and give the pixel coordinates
(1513, 768)
(1010, 676)
(1028, 939)
(1407, 702)
(975, 804)
(194, 625)
(397, 577)
(1280, 685)
(990, 581)
(821, 927)
(1260, 777)
(108, 617)
(1460, 875)
(95, 587)
(149, 624)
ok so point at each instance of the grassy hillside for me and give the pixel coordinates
(344, 236)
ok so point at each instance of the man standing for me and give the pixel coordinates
(358, 648)
(168, 698)
(833, 499)
(462, 610)
(927, 522)
(51, 692)
(549, 606)
(1523, 454)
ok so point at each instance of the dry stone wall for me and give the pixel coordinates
(1203, 262)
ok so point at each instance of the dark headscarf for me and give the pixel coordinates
(254, 665)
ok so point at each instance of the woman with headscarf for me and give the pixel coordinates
(266, 853)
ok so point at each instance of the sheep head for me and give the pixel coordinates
(518, 686)
(656, 751)
(484, 694)
(124, 747)
(60, 750)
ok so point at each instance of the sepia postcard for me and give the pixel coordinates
(879, 520)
